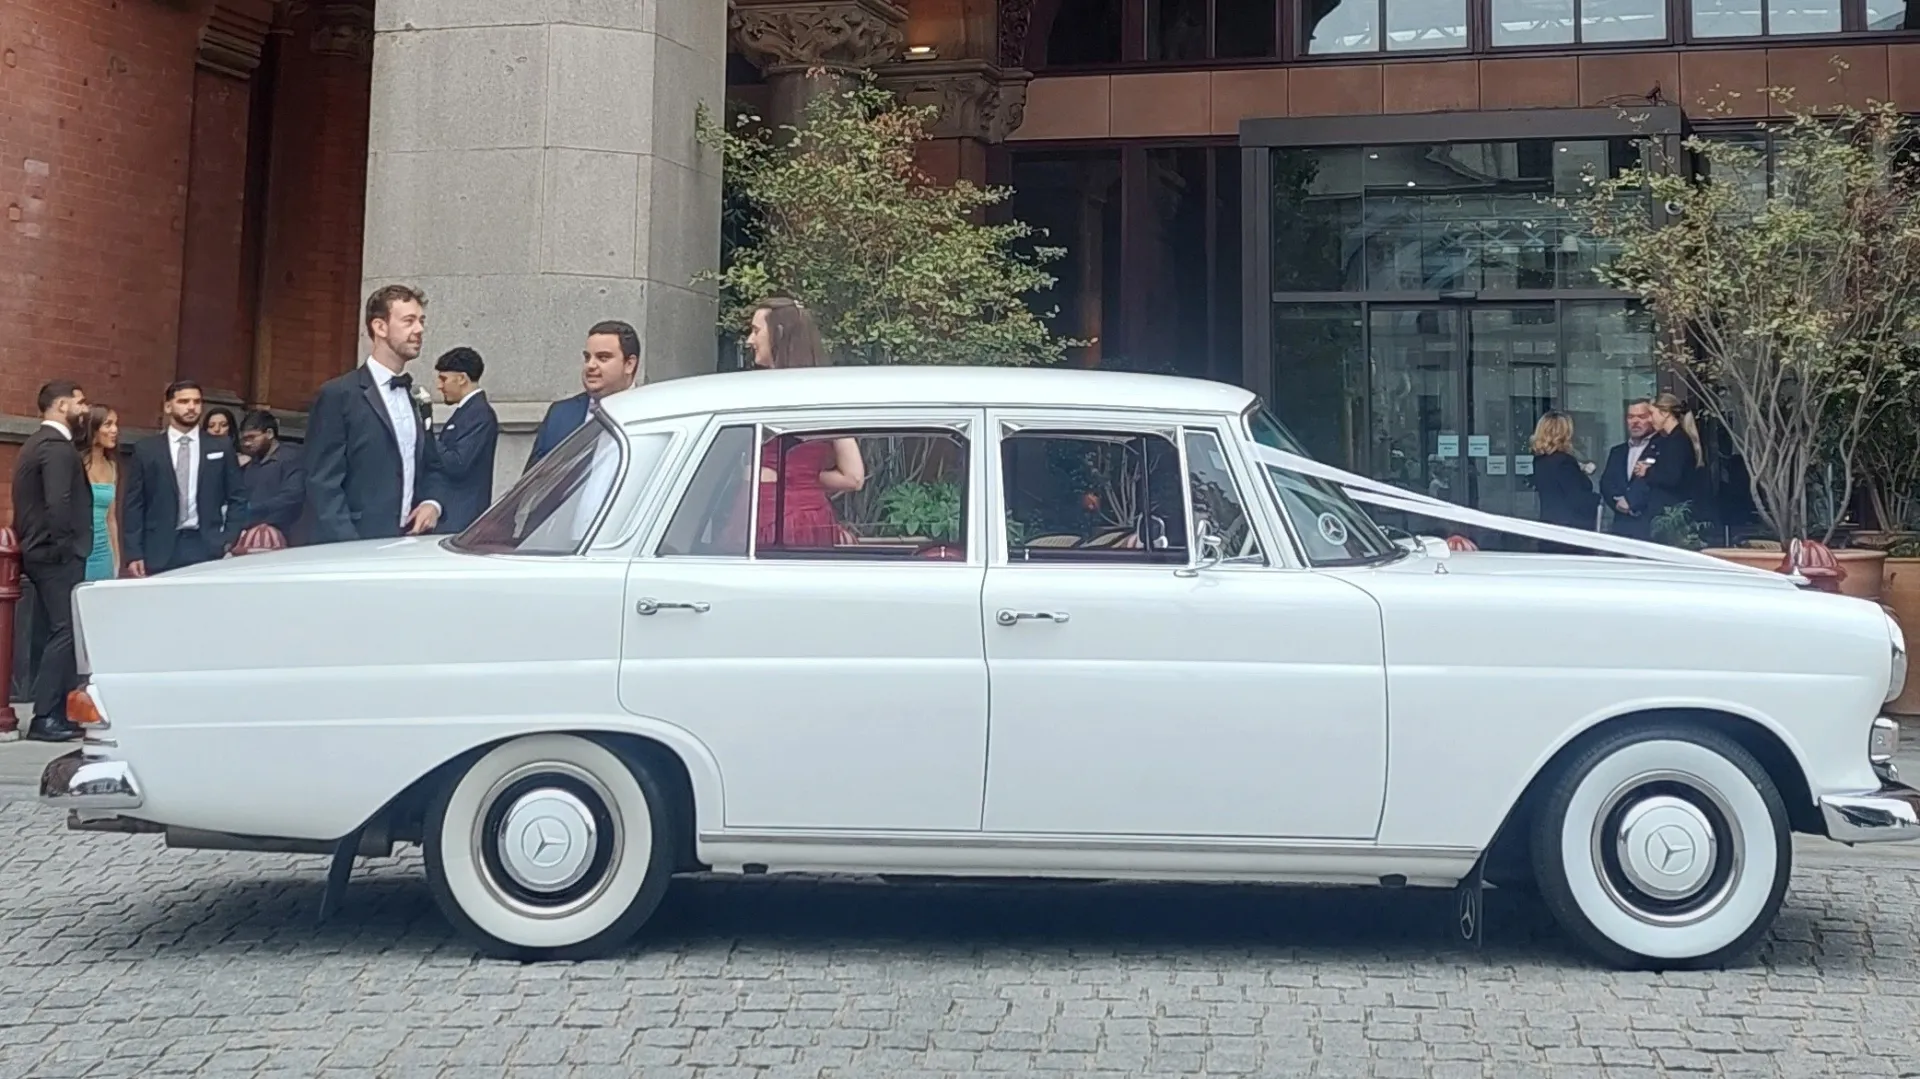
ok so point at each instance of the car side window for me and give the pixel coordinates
(1105, 497)
(1216, 498)
(826, 495)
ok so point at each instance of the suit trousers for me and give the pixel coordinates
(53, 585)
(190, 548)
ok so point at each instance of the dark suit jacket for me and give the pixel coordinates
(1566, 492)
(563, 418)
(467, 442)
(277, 489)
(1674, 476)
(150, 504)
(1615, 483)
(52, 500)
(354, 481)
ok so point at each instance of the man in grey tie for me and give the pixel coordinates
(184, 500)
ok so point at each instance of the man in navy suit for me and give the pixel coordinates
(184, 498)
(466, 440)
(610, 363)
(373, 469)
(1623, 492)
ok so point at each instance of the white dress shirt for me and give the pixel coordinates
(406, 430)
(175, 437)
(456, 405)
(1634, 450)
(65, 431)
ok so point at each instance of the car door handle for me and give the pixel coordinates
(1014, 618)
(654, 606)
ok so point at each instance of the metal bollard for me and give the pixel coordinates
(9, 599)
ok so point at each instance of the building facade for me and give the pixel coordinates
(1342, 204)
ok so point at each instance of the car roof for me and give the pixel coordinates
(973, 387)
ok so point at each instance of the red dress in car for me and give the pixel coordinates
(802, 516)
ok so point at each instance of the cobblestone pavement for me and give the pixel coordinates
(121, 958)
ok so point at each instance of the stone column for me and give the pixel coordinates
(810, 47)
(534, 167)
(980, 104)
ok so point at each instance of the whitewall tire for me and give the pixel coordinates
(551, 846)
(1664, 846)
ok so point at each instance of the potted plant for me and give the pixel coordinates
(1789, 314)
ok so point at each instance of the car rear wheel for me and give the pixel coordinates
(1665, 846)
(551, 846)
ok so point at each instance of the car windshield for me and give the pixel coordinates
(1333, 529)
(553, 507)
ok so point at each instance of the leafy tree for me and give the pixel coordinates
(1790, 309)
(895, 267)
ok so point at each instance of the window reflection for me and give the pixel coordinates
(1073, 199)
(1562, 22)
(1244, 28)
(1319, 378)
(1086, 32)
(1426, 25)
(1354, 26)
(1751, 18)
(1885, 15)
(1176, 29)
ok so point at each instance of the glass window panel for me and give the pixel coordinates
(1610, 361)
(1425, 25)
(1750, 174)
(1513, 378)
(1244, 28)
(1726, 18)
(1532, 22)
(1883, 15)
(1228, 272)
(1176, 29)
(1086, 32)
(1623, 20)
(1216, 498)
(1803, 16)
(1319, 378)
(1343, 27)
(1416, 437)
(1100, 497)
(1317, 237)
(1166, 267)
(1073, 198)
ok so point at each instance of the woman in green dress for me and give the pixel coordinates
(98, 436)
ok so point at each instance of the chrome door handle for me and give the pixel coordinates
(1014, 618)
(654, 606)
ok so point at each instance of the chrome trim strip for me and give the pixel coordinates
(86, 781)
(1142, 844)
(1888, 815)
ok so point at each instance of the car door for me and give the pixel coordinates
(1135, 694)
(826, 649)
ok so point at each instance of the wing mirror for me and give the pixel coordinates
(1213, 549)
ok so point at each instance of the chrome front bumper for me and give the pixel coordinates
(1890, 814)
(89, 782)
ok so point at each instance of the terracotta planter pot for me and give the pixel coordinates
(1901, 595)
(1865, 569)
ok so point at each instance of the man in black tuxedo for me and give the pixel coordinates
(609, 364)
(53, 518)
(184, 498)
(373, 470)
(1623, 492)
(466, 440)
(275, 477)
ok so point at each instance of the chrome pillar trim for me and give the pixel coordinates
(1888, 815)
(86, 781)
(1883, 740)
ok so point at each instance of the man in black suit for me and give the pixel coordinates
(373, 470)
(1623, 492)
(275, 477)
(53, 517)
(609, 364)
(183, 499)
(466, 440)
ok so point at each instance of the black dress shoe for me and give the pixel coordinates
(52, 730)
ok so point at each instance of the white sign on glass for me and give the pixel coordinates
(1523, 464)
(1479, 445)
(1449, 446)
(1496, 466)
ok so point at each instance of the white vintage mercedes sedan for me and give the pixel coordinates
(991, 623)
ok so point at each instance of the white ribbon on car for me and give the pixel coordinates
(1386, 496)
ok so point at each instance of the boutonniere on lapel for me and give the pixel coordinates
(423, 404)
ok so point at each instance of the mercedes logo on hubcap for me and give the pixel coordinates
(545, 842)
(1670, 849)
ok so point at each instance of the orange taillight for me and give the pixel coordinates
(82, 709)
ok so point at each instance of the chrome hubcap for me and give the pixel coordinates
(1667, 848)
(547, 840)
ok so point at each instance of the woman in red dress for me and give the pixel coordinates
(795, 505)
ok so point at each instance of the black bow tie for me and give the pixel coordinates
(402, 380)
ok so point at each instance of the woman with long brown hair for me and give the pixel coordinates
(796, 508)
(1672, 460)
(98, 437)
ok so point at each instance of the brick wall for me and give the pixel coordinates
(95, 109)
(316, 210)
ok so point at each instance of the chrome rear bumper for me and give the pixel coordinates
(1890, 814)
(89, 782)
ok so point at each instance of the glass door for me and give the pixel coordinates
(1455, 392)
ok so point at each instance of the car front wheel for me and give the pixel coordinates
(1665, 846)
(550, 846)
